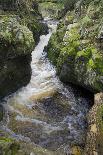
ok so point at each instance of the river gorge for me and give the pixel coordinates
(51, 77)
(46, 112)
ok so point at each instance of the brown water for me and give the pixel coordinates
(46, 112)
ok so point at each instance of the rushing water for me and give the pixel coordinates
(45, 112)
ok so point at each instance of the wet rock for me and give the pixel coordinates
(14, 74)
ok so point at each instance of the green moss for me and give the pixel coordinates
(73, 34)
(70, 50)
(84, 53)
(15, 37)
(91, 63)
(5, 140)
(96, 61)
(54, 49)
(86, 21)
(55, 43)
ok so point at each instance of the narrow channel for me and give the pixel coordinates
(46, 112)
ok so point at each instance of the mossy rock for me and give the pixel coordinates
(15, 39)
(80, 58)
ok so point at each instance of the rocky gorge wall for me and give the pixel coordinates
(76, 47)
(20, 28)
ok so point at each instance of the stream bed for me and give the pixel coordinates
(46, 112)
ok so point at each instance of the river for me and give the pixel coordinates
(46, 112)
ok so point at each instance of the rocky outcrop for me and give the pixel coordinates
(94, 143)
(76, 48)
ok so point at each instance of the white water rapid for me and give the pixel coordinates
(45, 112)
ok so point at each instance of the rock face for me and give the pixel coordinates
(76, 48)
(94, 143)
(19, 31)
